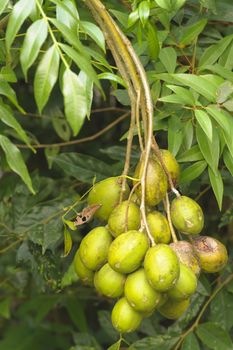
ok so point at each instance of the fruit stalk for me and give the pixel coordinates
(167, 206)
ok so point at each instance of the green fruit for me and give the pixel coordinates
(185, 286)
(187, 215)
(159, 227)
(109, 282)
(94, 247)
(85, 275)
(124, 318)
(162, 267)
(107, 194)
(156, 181)
(212, 254)
(124, 217)
(127, 251)
(171, 165)
(139, 293)
(186, 255)
(173, 309)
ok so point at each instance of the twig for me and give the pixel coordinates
(168, 211)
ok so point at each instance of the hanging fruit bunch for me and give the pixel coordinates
(135, 255)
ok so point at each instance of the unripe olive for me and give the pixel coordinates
(127, 251)
(173, 309)
(125, 214)
(162, 267)
(159, 227)
(212, 253)
(185, 252)
(156, 181)
(124, 318)
(94, 247)
(107, 194)
(85, 275)
(185, 286)
(171, 164)
(187, 215)
(109, 282)
(139, 293)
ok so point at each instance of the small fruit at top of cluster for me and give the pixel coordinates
(107, 194)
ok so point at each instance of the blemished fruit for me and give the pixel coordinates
(127, 251)
(107, 194)
(124, 318)
(186, 284)
(173, 309)
(212, 254)
(139, 293)
(94, 247)
(109, 282)
(162, 267)
(171, 164)
(85, 275)
(185, 252)
(159, 227)
(187, 215)
(156, 181)
(124, 217)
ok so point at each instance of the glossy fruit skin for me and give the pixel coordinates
(109, 282)
(156, 181)
(186, 284)
(94, 247)
(186, 255)
(127, 251)
(187, 215)
(162, 267)
(139, 293)
(124, 214)
(124, 318)
(107, 194)
(171, 164)
(159, 227)
(212, 254)
(173, 309)
(85, 275)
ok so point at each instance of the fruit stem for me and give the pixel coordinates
(157, 152)
(168, 210)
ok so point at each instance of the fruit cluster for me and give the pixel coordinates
(146, 274)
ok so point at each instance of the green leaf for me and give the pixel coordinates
(212, 53)
(191, 155)
(197, 83)
(3, 5)
(164, 4)
(191, 32)
(83, 167)
(75, 102)
(76, 312)
(174, 135)
(229, 105)
(152, 40)
(5, 308)
(7, 117)
(82, 62)
(112, 77)
(34, 39)
(115, 346)
(144, 11)
(205, 123)
(193, 171)
(173, 98)
(7, 74)
(161, 342)
(16, 161)
(66, 13)
(210, 150)
(190, 342)
(20, 12)
(88, 85)
(183, 93)
(168, 58)
(69, 35)
(228, 160)
(214, 336)
(6, 90)
(217, 185)
(221, 310)
(46, 76)
(224, 91)
(67, 242)
(222, 71)
(94, 32)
